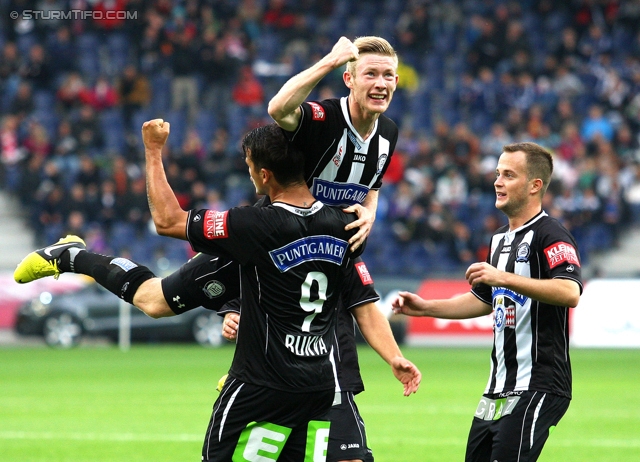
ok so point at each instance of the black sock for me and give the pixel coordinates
(118, 275)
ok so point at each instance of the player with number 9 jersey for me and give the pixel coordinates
(292, 264)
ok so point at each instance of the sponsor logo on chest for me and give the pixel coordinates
(338, 194)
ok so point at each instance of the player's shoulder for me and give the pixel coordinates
(387, 123)
(548, 224)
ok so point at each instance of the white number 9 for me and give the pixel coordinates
(315, 306)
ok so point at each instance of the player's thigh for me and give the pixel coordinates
(347, 438)
(522, 434)
(256, 423)
(480, 441)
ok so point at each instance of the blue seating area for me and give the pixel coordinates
(462, 107)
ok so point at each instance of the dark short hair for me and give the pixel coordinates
(539, 161)
(271, 150)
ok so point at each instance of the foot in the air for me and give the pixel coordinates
(45, 262)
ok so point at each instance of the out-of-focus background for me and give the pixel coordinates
(78, 78)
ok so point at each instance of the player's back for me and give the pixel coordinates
(292, 271)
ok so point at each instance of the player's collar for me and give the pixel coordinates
(301, 211)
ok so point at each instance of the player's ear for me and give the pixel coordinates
(265, 175)
(348, 79)
(536, 186)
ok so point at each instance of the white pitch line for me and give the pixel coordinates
(76, 436)
(186, 437)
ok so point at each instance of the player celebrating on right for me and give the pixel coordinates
(530, 279)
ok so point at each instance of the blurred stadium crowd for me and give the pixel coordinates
(474, 75)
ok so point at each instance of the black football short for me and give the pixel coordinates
(205, 280)
(249, 422)
(514, 428)
(347, 438)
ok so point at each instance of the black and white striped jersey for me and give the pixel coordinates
(341, 167)
(531, 338)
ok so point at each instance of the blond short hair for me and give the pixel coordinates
(372, 45)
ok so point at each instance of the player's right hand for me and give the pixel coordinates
(344, 51)
(155, 133)
(230, 326)
(407, 303)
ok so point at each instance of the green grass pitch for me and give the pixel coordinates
(153, 403)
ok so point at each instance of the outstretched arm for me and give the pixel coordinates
(168, 216)
(377, 332)
(284, 107)
(461, 307)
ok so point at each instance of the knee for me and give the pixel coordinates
(150, 300)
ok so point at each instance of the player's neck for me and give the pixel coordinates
(297, 195)
(518, 220)
(362, 120)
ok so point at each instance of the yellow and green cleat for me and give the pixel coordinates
(44, 262)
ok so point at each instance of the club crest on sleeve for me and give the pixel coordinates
(317, 111)
(215, 224)
(381, 161)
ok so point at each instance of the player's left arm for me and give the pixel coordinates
(557, 291)
(170, 219)
(366, 216)
(376, 331)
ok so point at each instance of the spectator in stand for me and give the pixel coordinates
(36, 69)
(22, 104)
(9, 70)
(102, 96)
(414, 34)
(220, 70)
(134, 93)
(87, 130)
(70, 92)
(60, 46)
(11, 154)
(135, 206)
(37, 143)
(487, 49)
(596, 124)
(184, 84)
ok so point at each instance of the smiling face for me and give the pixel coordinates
(373, 83)
(514, 190)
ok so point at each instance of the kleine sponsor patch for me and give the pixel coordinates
(363, 272)
(215, 224)
(317, 111)
(561, 252)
